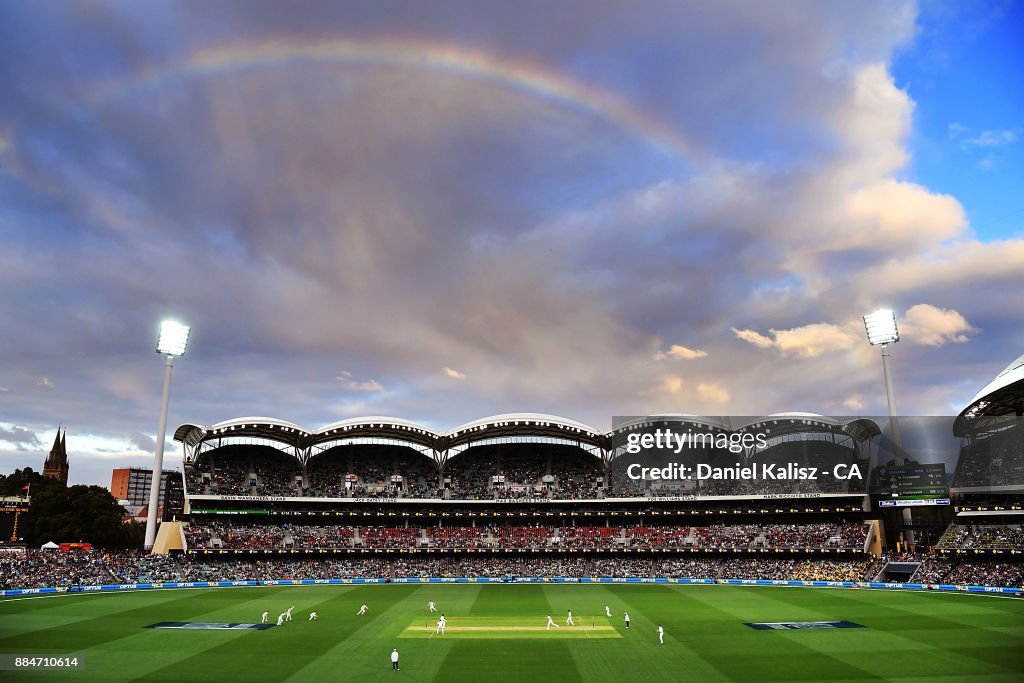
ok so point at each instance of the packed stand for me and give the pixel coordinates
(38, 569)
(982, 537)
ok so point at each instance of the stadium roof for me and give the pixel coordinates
(1003, 396)
(645, 421)
(494, 427)
(794, 423)
(521, 424)
(375, 427)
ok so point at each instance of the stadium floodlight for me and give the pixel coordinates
(172, 342)
(882, 331)
(881, 327)
(173, 338)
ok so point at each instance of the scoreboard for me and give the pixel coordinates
(911, 485)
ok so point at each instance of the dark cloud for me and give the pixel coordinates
(19, 437)
(143, 442)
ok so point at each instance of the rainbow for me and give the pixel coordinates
(528, 77)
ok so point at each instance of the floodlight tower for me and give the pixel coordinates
(172, 341)
(882, 331)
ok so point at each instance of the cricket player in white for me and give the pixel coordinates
(362, 610)
(441, 623)
(627, 619)
(280, 619)
(288, 614)
(431, 606)
(607, 612)
(551, 622)
(263, 618)
(312, 616)
(394, 659)
(569, 621)
(661, 634)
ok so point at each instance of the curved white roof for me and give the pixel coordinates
(1013, 373)
(802, 417)
(242, 422)
(670, 417)
(353, 422)
(539, 419)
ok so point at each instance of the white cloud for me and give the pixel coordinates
(813, 340)
(349, 382)
(874, 122)
(991, 138)
(808, 341)
(755, 338)
(957, 264)
(894, 214)
(454, 374)
(672, 384)
(46, 383)
(713, 392)
(931, 326)
(854, 402)
(680, 352)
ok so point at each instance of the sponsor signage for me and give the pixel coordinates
(801, 625)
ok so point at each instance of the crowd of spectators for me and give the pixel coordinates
(986, 573)
(982, 536)
(36, 569)
(721, 536)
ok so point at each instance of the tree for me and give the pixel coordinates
(60, 513)
(13, 484)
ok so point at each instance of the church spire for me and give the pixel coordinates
(56, 465)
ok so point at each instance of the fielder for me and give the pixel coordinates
(288, 614)
(280, 619)
(551, 622)
(441, 623)
(627, 619)
(661, 634)
(431, 606)
(362, 611)
(607, 612)
(569, 621)
(313, 616)
(263, 617)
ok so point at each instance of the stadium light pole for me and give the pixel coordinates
(172, 342)
(882, 331)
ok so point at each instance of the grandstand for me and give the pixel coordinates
(529, 492)
(520, 493)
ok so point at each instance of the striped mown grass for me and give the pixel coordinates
(907, 636)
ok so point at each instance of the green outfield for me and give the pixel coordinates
(498, 633)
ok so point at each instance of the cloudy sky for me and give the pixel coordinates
(446, 210)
